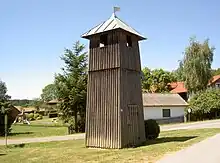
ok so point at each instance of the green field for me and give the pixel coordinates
(38, 128)
(75, 151)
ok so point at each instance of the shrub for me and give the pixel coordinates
(2, 123)
(41, 112)
(39, 117)
(152, 129)
(36, 115)
(30, 117)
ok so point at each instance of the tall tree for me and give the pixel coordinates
(146, 79)
(3, 94)
(216, 72)
(179, 72)
(156, 80)
(4, 105)
(197, 62)
(49, 93)
(71, 86)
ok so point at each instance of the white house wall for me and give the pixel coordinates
(157, 112)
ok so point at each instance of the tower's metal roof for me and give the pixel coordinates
(112, 23)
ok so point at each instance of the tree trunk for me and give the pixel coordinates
(76, 122)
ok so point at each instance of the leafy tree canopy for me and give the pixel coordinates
(197, 62)
(4, 107)
(71, 86)
(216, 72)
(179, 72)
(49, 93)
(3, 95)
(156, 80)
(206, 101)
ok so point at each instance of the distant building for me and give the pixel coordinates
(53, 102)
(179, 87)
(13, 112)
(165, 108)
(215, 82)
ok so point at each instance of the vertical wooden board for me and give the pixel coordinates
(91, 118)
(138, 57)
(116, 108)
(96, 108)
(108, 122)
(113, 110)
(93, 109)
(119, 106)
(90, 59)
(105, 110)
(110, 109)
(87, 113)
(109, 85)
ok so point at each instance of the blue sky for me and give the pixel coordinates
(33, 34)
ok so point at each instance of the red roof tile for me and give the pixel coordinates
(214, 79)
(178, 87)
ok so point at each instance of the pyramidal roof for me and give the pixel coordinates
(112, 23)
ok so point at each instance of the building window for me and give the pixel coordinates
(103, 40)
(166, 113)
(129, 42)
(217, 85)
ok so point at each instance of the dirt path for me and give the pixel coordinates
(44, 139)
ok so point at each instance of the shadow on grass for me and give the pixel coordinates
(168, 139)
(2, 154)
(19, 145)
(19, 133)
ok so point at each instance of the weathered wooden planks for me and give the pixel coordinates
(114, 115)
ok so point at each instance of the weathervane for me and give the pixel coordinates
(116, 9)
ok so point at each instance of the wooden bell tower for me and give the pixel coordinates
(114, 115)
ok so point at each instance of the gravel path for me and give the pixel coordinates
(44, 139)
(206, 151)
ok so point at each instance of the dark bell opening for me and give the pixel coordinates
(103, 40)
(129, 42)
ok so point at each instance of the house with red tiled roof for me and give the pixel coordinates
(215, 82)
(179, 87)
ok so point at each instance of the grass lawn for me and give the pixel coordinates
(75, 151)
(38, 128)
(23, 131)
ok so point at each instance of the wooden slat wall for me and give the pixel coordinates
(114, 94)
(105, 57)
(133, 134)
(130, 57)
(103, 119)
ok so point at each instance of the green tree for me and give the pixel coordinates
(156, 80)
(4, 105)
(49, 93)
(71, 86)
(216, 72)
(197, 62)
(146, 79)
(37, 103)
(204, 103)
(179, 72)
(4, 98)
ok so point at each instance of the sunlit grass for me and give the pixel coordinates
(75, 151)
